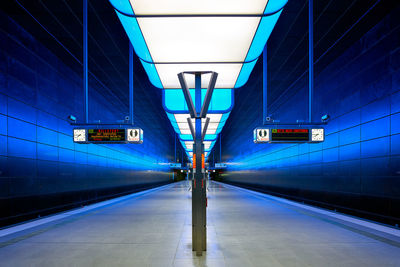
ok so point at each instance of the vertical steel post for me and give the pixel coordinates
(175, 145)
(220, 150)
(198, 184)
(130, 83)
(265, 86)
(85, 62)
(310, 59)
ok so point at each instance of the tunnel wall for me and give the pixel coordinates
(41, 169)
(357, 169)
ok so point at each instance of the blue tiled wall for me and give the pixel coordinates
(360, 158)
(39, 163)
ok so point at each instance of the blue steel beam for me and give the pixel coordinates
(310, 59)
(131, 85)
(85, 62)
(186, 93)
(207, 99)
(265, 86)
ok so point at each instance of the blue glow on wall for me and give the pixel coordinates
(359, 160)
(42, 141)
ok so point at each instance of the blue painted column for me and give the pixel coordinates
(131, 84)
(310, 58)
(265, 86)
(85, 62)
(220, 147)
(199, 231)
(175, 145)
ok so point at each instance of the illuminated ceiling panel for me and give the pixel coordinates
(201, 40)
(173, 36)
(198, 7)
(181, 126)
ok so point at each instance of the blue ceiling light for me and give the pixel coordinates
(221, 104)
(181, 126)
(222, 101)
(188, 137)
(175, 36)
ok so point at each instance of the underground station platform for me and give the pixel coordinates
(244, 228)
(200, 133)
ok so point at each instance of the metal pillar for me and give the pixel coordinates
(199, 233)
(85, 62)
(130, 82)
(310, 59)
(220, 150)
(175, 145)
(265, 86)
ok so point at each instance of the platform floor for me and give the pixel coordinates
(155, 230)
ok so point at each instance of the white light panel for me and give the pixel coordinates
(207, 145)
(183, 125)
(227, 74)
(148, 7)
(195, 39)
(198, 39)
(189, 144)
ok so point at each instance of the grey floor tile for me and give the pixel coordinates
(155, 230)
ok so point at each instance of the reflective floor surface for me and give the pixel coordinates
(154, 229)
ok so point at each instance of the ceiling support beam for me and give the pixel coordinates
(186, 93)
(131, 85)
(207, 99)
(191, 127)
(85, 62)
(310, 59)
(203, 135)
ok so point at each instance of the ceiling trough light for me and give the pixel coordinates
(176, 36)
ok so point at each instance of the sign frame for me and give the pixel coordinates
(269, 140)
(128, 139)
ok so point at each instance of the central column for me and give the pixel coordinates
(198, 185)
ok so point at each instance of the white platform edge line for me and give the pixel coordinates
(52, 218)
(370, 225)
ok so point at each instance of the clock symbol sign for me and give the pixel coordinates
(317, 135)
(79, 135)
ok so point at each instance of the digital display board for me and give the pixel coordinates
(175, 165)
(112, 136)
(282, 135)
(290, 135)
(220, 165)
(106, 135)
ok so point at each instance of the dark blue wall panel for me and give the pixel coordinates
(357, 168)
(41, 169)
